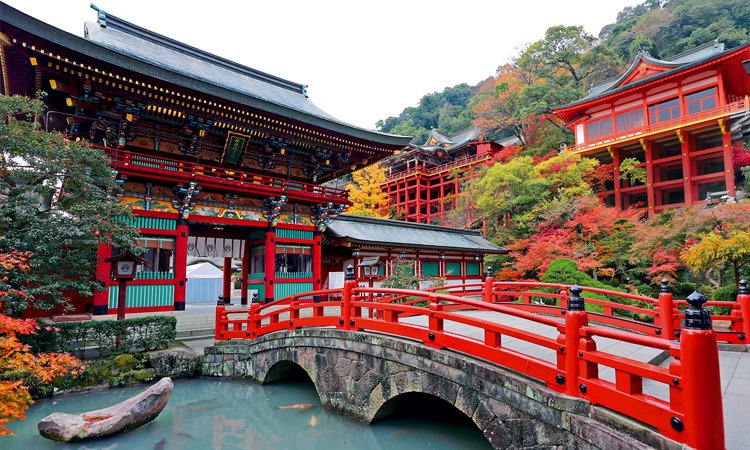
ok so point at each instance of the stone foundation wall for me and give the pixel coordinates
(356, 374)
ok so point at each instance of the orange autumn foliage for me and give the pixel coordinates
(19, 367)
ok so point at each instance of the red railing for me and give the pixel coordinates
(660, 317)
(716, 113)
(203, 174)
(440, 168)
(689, 412)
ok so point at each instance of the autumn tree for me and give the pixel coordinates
(19, 367)
(56, 205)
(366, 192)
(713, 249)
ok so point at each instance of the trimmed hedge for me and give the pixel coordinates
(135, 335)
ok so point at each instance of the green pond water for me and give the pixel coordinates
(222, 414)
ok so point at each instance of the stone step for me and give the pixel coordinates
(195, 333)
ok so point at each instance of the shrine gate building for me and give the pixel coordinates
(216, 159)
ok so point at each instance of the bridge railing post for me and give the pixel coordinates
(435, 324)
(703, 423)
(346, 308)
(489, 280)
(220, 321)
(666, 311)
(575, 318)
(563, 299)
(743, 299)
(253, 322)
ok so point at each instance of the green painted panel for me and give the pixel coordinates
(256, 276)
(260, 287)
(140, 295)
(282, 290)
(293, 275)
(453, 268)
(430, 269)
(294, 234)
(472, 269)
(152, 222)
(154, 275)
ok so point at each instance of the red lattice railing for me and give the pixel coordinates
(690, 411)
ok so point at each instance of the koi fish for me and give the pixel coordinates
(296, 406)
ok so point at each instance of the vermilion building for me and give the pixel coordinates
(423, 181)
(216, 159)
(677, 117)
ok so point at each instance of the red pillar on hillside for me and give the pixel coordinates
(103, 269)
(180, 264)
(270, 263)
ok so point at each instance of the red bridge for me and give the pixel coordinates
(461, 318)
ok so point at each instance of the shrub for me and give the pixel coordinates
(565, 271)
(110, 337)
(725, 294)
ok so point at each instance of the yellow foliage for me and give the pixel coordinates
(366, 192)
(715, 248)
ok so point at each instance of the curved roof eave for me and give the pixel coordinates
(678, 68)
(93, 50)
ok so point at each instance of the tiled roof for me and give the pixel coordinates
(396, 233)
(115, 41)
(682, 61)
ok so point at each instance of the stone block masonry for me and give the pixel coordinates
(357, 374)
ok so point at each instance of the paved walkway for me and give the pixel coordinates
(735, 366)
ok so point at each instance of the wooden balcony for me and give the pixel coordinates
(469, 160)
(220, 178)
(652, 129)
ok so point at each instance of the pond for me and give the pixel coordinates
(224, 414)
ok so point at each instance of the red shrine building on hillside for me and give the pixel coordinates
(678, 118)
(216, 159)
(423, 181)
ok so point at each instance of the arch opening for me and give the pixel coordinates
(413, 410)
(287, 371)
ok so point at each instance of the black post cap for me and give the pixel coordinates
(349, 273)
(664, 288)
(220, 301)
(488, 271)
(254, 297)
(696, 316)
(575, 302)
(743, 290)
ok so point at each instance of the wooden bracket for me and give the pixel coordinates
(680, 136)
(643, 143)
(723, 126)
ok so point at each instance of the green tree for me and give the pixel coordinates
(56, 205)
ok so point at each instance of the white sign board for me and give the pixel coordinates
(335, 280)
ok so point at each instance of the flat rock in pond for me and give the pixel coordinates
(123, 416)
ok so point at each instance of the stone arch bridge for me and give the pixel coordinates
(363, 375)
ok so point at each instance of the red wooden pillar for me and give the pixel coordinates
(103, 275)
(726, 139)
(317, 259)
(270, 263)
(650, 189)
(615, 154)
(703, 420)
(180, 264)
(245, 270)
(687, 172)
(226, 292)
